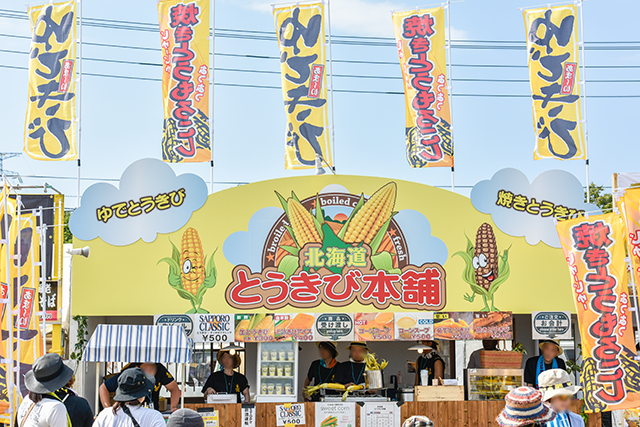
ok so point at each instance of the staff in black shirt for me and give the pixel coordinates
(431, 362)
(352, 372)
(548, 359)
(325, 369)
(78, 408)
(227, 381)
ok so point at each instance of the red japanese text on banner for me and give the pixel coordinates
(184, 34)
(50, 126)
(554, 75)
(594, 250)
(420, 39)
(301, 39)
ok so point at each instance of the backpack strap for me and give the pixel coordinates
(126, 410)
(28, 413)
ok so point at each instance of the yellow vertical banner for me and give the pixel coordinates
(595, 253)
(184, 34)
(420, 40)
(301, 38)
(50, 126)
(554, 75)
(629, 205)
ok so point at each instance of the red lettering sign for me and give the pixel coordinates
(65, 77)
(315, 83)
(568, 78)
(26, 307)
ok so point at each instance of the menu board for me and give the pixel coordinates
(290, 414)
(493, 325)
(413, 326)
(453, 325)
(335, 414)
(255, 328)
(294, 327)
(374, 326)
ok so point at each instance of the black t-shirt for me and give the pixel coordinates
(321, 374)
(223, 383)
(429, 363)
(163, 378)
(530, 369)
(351, 372)
(79, 411)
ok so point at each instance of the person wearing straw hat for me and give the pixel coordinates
(41, 408)
(323, 370)
(352, 372)
(227, 380)
(557, 391)
(134, 387)
(524, 407)
(548, 359)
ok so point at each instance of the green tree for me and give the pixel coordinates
(68, 237)
(599, 197)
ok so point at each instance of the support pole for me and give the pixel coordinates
(212, 62)
(333, 123)
(184, 384)
(97, 407)
(18, 264)
(43, 277)
(79, 95)
(449, 89)
(584, 99)
(8, 307)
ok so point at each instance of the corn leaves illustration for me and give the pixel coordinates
(469, 276)
(190, 272)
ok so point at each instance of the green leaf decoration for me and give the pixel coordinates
(256, 318)
(210, 277)
(469, 274)
(293, 195)
(382, 261)
(504, 272)
(175, 253)
(355, 210)
(288, 265)
(377, 239)
(284, 203)
(330, 240)
(318, 219)
(291, 249)
(293, 236)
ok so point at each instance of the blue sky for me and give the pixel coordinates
(122, 119)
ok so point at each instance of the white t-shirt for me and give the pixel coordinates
(146, 418)
(46, 413)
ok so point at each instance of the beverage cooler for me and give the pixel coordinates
(277, 372)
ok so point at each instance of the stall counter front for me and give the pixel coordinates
(443, 414)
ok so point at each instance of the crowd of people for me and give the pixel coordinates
(51, 401)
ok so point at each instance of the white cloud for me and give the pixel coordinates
(360, 17)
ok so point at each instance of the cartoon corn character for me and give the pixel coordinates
(190, 273)
(485, 261)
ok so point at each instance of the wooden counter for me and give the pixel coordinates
(443, 414)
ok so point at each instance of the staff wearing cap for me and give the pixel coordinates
(41, 408)
(548, 359)
(134, 386)
(227, 381)
(323, 370)
(557, 391)
(352, 372)
(431, 362)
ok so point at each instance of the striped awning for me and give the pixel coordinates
(138, 343)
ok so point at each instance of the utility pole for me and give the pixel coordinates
(8, 173)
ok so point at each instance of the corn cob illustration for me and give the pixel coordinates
(631, 368)
(302, 224)
(191, 261)
(330, 421)
(588, 377)
(485, 261)
(372, 216)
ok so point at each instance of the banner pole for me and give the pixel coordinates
(43, 279)
(333, 123)
(212, 62)
(449, 89)
(79, 94)
(584, 98)
(9, 304)
(18, 265)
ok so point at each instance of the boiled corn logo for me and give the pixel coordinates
(486, 269)
(337, 248)
(190, 272)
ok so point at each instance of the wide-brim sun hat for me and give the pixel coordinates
(133, 383)
(362, 344)
(235, 356)
(48, 374)
(556, 382)
(331, 346)
(524, 407)
(554, 342)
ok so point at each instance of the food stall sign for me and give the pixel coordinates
(184, 320)
(290, 414)
(551, 324)
(334, 327)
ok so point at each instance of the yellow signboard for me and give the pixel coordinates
(552, 46)
(373, 245)
(50, 128)
(303, 59)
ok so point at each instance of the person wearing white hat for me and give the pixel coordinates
(557, 391)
